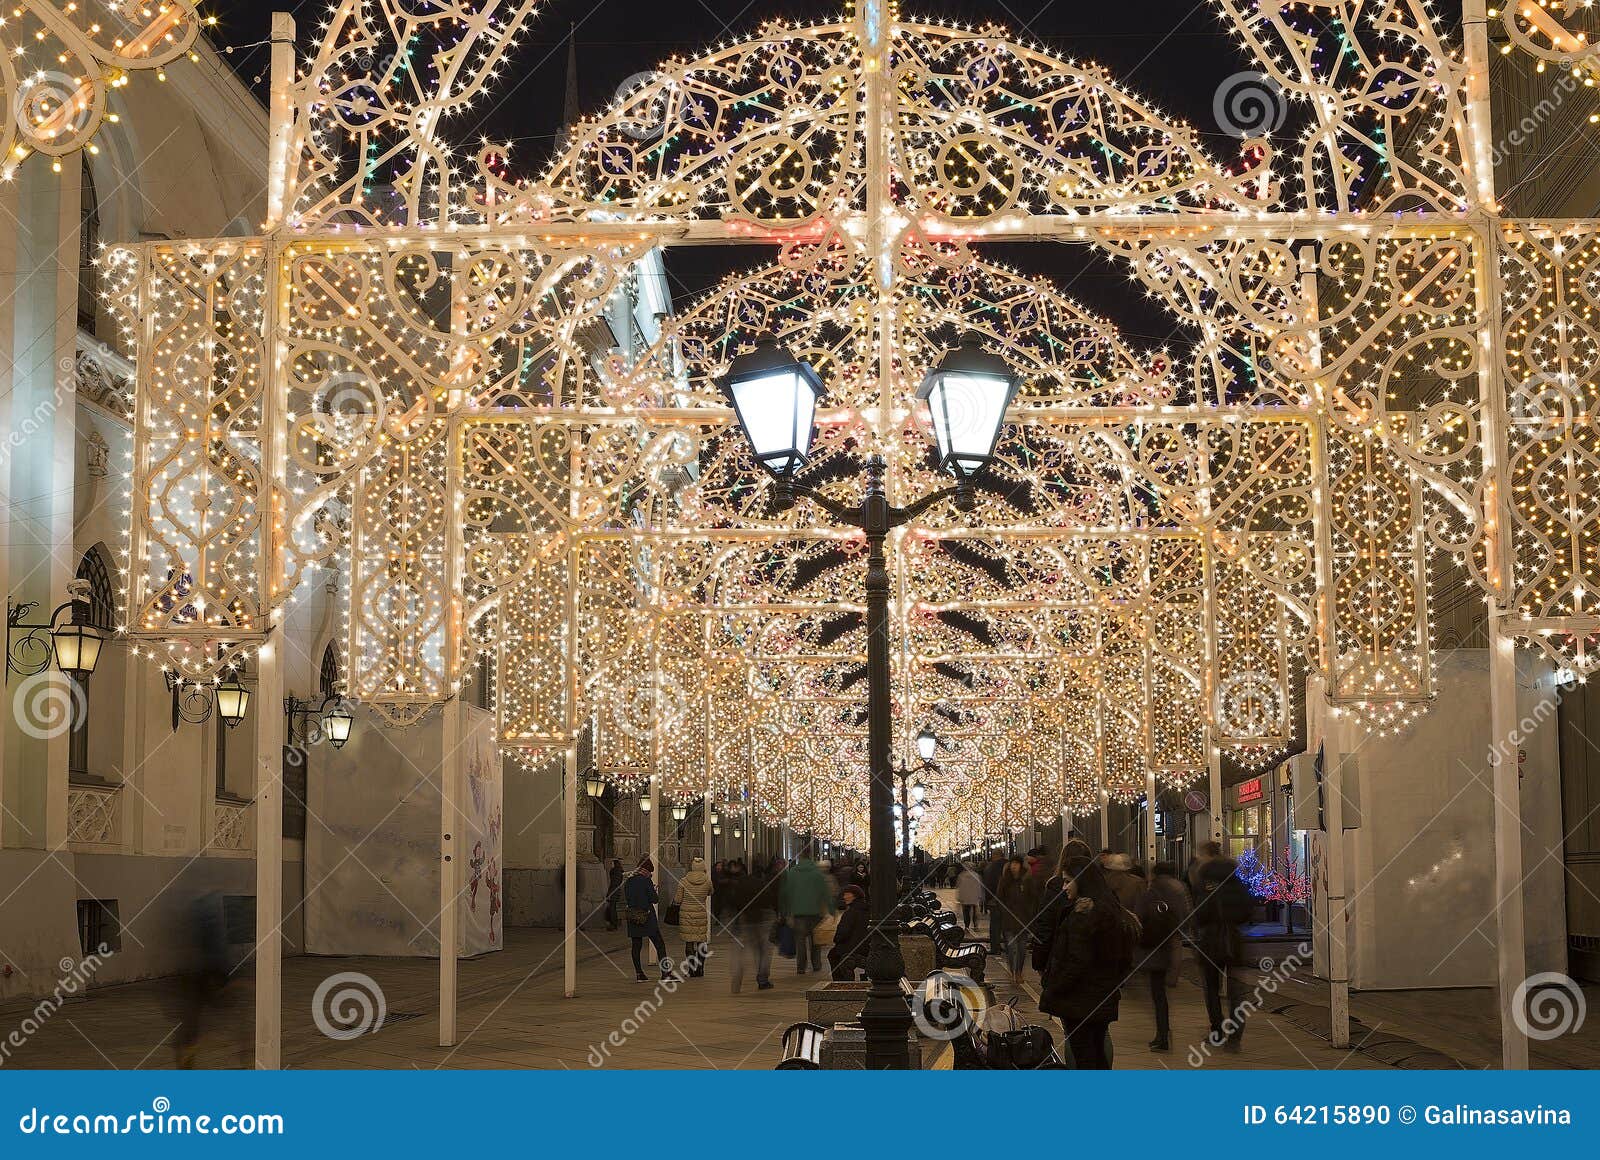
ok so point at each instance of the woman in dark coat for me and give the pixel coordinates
(640, 897)
(850, 939)
(1090, 957)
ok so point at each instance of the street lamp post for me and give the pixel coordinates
(775, 397)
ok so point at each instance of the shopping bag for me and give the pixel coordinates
(823, 935)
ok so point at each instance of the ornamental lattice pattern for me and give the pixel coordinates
(1384, 387)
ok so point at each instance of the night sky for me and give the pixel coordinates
(1172, 52)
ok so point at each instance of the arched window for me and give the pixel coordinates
(88, 251)
(101, 610)
(328, 678)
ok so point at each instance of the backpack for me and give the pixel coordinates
(1158, 920)
(1232, 901)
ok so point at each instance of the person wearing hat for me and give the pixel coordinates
(640, 897)
(850, 940)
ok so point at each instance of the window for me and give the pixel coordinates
(99, 931)
(328, 679)
(88, 251)
(101, 611)
(220, 759)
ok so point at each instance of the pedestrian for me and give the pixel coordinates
(991, 883)
(1091, 955)
(614, 880)
(1119, 874)
(727, 894)
(755, 909)
(1163, 911)
(1221, 906)
(805, 895)
(844, 875)
(1015, 903)
(1052, 903)
(969, 893)
(1206, 852)
(694, 916)
(639, 895)
(853, 935)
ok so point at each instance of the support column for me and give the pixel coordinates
(1214, 790)
(1150, 822)
(705, 830)
(569, 854)
(1504, 754)
(269, 723)
(655, 846)
(1066, 824)
(1337, 920)
(1105, 820)
(269, 853)
(450, 864)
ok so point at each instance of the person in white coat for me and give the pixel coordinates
(969, 892)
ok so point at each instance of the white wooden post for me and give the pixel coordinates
(1337, 919)
(1214, 789)
(569, 854)
(1504, 754)
(269, 854)
(1150, 822)
(450, 845)
(271, 658)
(1511, 951)
(705, 829)
(655, 848)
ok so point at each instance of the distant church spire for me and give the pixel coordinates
(573, 110)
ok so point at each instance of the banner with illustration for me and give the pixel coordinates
(482, 913)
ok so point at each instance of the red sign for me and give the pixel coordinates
(1250, 791)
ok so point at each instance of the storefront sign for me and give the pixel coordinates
(1250, 791)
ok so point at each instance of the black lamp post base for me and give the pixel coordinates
(886, 1015)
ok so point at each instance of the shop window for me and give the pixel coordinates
(98, 926)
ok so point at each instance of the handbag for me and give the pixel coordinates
(1024, 1049)
(823, 934)
(638, 915)
(673, 915)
